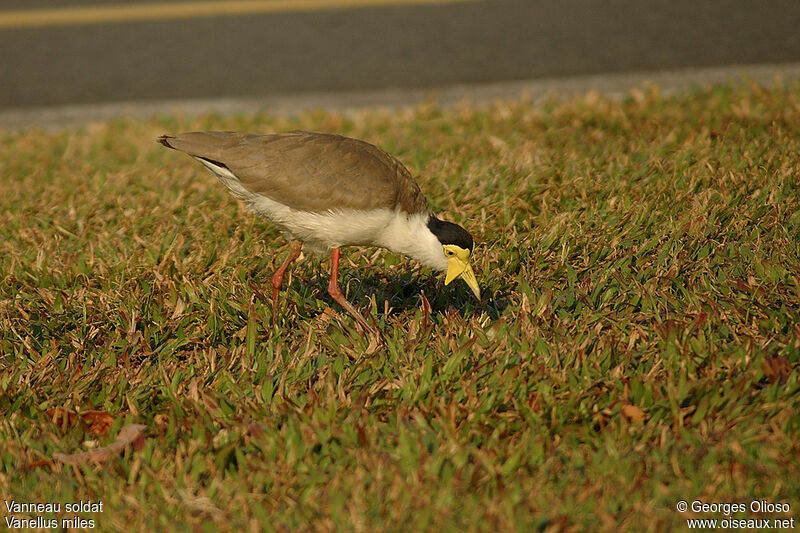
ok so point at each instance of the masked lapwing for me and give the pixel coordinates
(327, 191)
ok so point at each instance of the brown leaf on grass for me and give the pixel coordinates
(363, 440)
(327, 314)
(426, 310)
(776, 368)
(256, 430)
(162, 423)
(375, 341)
(132, 434)
(633, 414)
(62, 417)
(99, 422)
(699, 320)
(38, 464)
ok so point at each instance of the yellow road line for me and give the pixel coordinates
(68, 16)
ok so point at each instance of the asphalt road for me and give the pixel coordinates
(397, 46)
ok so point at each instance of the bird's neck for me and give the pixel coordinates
(408, 234)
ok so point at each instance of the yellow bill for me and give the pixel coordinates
(458, 267)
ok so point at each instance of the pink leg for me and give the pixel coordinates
(336, 292)
(277, 278)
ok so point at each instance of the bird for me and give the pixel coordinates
(327, 191)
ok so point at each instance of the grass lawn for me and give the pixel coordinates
(638, 342)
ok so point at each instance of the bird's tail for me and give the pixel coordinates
(164, 139)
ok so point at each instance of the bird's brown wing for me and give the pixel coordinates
(309, 171)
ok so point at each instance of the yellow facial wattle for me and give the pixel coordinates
(458, 266)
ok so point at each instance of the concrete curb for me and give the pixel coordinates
(612, 85)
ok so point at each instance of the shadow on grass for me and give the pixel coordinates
(401, 290)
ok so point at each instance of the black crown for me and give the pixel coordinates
(449, 233)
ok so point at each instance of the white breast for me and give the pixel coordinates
(327, 230)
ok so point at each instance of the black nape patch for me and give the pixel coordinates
(449, 233)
